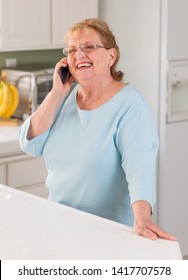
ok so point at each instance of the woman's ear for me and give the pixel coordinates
(112, 56)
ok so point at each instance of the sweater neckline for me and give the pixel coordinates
(108, 102)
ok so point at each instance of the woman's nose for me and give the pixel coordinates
(80, 53)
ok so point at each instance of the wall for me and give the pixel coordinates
(136, 25)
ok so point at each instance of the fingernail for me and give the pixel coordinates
(154, 237)
(174, 238)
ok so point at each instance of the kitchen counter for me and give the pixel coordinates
(9, 143)
(35, 228)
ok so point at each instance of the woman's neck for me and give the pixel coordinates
(90, 97)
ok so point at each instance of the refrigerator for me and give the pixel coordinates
(153, 40)
(173, 125)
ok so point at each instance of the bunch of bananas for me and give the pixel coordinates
(9, 99)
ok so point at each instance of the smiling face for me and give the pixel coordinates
(90, 66)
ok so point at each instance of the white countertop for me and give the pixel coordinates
(9, 143)
(35, 228)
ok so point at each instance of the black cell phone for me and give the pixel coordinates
(64, 74)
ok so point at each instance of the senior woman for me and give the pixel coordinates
(97, 135)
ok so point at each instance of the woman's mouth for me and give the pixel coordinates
(84, 65)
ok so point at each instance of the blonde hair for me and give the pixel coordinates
(107, 38)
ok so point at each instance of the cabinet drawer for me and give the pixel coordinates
(27, 172)
(39, 190)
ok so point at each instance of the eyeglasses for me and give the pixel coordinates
(86, 48)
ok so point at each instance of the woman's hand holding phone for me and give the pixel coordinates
(43, 117)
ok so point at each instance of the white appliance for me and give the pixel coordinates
(173, 126)
(153, 40)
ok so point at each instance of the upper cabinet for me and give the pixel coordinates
(40, 24)
(67, 12)
(24, 24)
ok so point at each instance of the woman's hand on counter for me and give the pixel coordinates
(143, 224)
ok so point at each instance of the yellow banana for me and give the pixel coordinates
(6, 99)
(1, 93)
(15, 100)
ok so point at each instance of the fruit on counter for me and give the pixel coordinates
(9, 99)
(15, 101)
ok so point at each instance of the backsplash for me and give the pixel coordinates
(26, 57)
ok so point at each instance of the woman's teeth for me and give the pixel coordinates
(84, 65)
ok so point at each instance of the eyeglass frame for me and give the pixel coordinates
(83, 49)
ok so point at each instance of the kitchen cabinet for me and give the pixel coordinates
(40, 24)
(17, 169)
(65, 13)
(24, 24)
(24, 173)
(3, 174)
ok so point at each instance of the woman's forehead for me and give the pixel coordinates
(86, 34)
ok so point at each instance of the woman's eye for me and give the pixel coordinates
(89, 47)
(72, 51)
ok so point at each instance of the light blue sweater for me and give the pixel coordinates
(102, 160)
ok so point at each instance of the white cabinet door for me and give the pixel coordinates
(40, 24)
(24, 24)
(68, 12)
(3, 174)
(26, 172)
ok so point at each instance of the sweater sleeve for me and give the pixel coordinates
(137, 142)
(34, 146)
